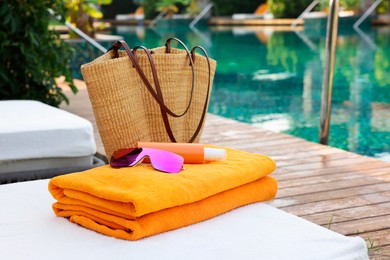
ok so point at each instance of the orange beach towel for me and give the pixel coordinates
(131, 203)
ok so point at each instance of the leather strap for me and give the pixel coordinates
(133, 58)
(157, 95)
(159, 92)
(202, 118)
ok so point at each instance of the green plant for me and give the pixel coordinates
(344, 4)
(372, 245)
(330, 222)
(381, 63)
(383, 7)
(323, 5)
(32, 56)
(149, 9)
(350, 4)
(287, 8)
(227, 8)
(281, 54)
(120, 7)
(193, 8)
(82, 13)
(170, 7)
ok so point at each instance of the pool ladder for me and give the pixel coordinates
(78, 32)
(327, 81)
(204, 11)
(306, 11)
(330, 50)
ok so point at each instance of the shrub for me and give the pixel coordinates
(170, 7)
(350, 4)
(287, 8)
(344, 4)
(149, 9)
(82, 14)
(383, 8)
(227, 8)
(118, 7)
(32, 56)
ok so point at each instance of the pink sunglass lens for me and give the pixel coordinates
(126, 157)
(161, 160)
(165, 161)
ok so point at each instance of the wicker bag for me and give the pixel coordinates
(158, 95)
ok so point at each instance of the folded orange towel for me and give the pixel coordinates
(106, 199)
(172, 218)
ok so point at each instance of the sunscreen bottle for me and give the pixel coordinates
(191, 152)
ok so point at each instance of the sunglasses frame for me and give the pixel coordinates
(160, 160)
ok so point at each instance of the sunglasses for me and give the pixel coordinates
(160, 160)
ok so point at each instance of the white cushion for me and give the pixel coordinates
(30, 230)
(31, 129)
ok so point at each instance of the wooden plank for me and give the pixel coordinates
(353, 227)
(318, 159)
(348, 162)
(273, 147)
(263, 22)
(338, 203)
(289, 200)
(378, 252)
(316, 154)
(286, 184)
(244, 135)
(330, 186)
(360, 166)
(348, 214)
(355, 179)
(378, 243)
(275, 150)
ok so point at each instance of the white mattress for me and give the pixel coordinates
(30, 230)
(31, 130)
(44, 164)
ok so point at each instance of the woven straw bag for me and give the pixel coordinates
(157, 95)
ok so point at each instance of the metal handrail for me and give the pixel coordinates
(307, 10)
(366, 38)
(204, 11)
(156, 19)
(367, 13)
(78, 32)
(305, 39)
(327, 83)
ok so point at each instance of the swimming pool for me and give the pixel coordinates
(273, 79)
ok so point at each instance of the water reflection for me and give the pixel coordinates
(288, 98)
(273, 79)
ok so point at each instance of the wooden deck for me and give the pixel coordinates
(342, 191)
(228, 21)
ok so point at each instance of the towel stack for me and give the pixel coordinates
(135, 202)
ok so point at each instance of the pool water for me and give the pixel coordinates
(273, 79)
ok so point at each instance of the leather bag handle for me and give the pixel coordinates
(157, 94)
(158, 98)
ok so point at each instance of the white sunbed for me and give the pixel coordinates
(262, 12)
(40, 141)
(30, 230)
(248, 16)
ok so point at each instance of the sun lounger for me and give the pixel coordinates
(259, 13)
(30, 230)
(137, 15)
(40, 141)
